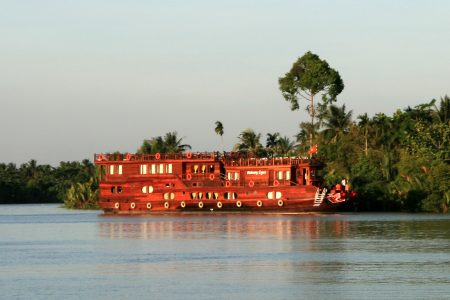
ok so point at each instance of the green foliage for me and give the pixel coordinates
(308, 77)
(33, 183)
(170, 143)
(219, 130)
(82, 195)
(249, 142)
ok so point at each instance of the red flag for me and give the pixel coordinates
(313, 149)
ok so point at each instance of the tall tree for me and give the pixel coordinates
(249, 142)
(309, 77)
(219, 131)
(173, 144)
(364, 125)
(170, 143)
(337, 122)
(272, 143)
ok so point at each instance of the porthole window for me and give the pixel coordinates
(277, 195)
(270, 195)
(113, 189)
(144, 189)
(193, 195)
(119, 189)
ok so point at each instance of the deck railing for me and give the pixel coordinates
(228, 158)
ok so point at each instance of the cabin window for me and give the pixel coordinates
(195, 168)
(203, 168)
(113, 189)
(216, 196)
(119, 189)
(168, 196)
(211, 168)
(119, 171)
(111, 169)
(200, 195)
(229, 175)
(146, 189)
(161, 168)
(280, 175)
(153, 169)
(143, 169)
(277, 195)
(169, 168)
(288, 175)
(229, 195)
(270, 195)
(236, 175)
(193, 195)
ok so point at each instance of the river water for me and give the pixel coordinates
(47, 252)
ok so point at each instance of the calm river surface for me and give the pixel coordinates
(47, 252)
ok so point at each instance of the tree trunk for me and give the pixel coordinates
(313, 114)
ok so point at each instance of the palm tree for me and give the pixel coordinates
(337, 123)
(443, 112)
(285, 146)
(172, 143)
(364, 124)
(249, 142)
(219, 131)
(272, 143)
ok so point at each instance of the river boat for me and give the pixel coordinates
(212, 182)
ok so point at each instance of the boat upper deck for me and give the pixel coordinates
(234, 159)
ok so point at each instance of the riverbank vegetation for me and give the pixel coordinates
(71, 183)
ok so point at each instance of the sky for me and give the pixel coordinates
(79, 77)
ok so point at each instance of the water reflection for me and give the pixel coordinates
(224, 227)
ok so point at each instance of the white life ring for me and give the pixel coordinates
(116, 205)
(183, 204)
(280, 203)
(133, 205)
(238, 203)
(200, 204)
(259, 203)
(219, 204)
(166, 205)
(149, 205)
